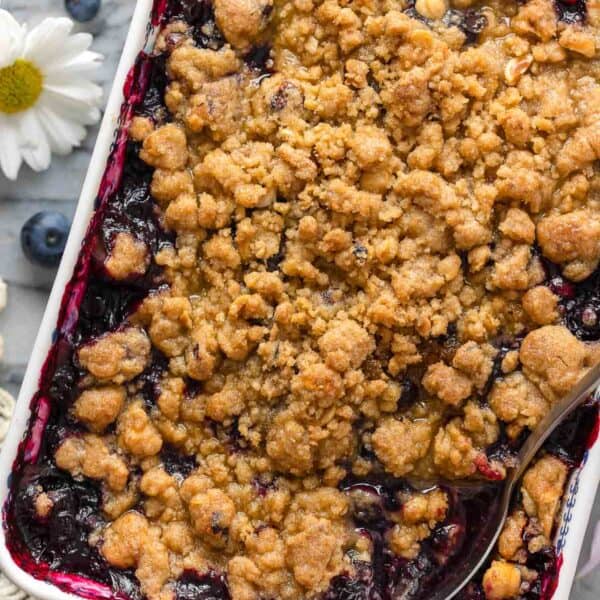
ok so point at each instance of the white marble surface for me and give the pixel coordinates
(58, 188)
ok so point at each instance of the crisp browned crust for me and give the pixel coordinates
(382, 188)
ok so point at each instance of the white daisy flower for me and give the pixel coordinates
(46, 96)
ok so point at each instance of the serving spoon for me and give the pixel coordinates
(476, 555)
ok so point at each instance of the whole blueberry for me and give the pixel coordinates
(43, 237)
(83, 10)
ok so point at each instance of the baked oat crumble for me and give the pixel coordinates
(378, 212)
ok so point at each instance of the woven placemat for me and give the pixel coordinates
(8, 590)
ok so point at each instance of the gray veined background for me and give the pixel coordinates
(58, 189)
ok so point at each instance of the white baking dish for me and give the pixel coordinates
(583, 483)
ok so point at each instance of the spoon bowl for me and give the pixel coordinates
(480, 548)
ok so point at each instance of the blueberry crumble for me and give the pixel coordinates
(342, 249)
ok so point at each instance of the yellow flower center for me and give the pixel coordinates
(20, 86)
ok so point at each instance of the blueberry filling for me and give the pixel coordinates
(148, 383)
(470, 21)
(410, 393)
(274, 261)
(63, 385)
(153, 104)
(582, 313)
(60, 538)
(360, 587)
(199, 14)
(133, 210)
(569, 441)
(390, 576)
(104, 308)
(579, 303)
(192, 586)
(369, 503)
(571, 11)
(259, 58)
(504, 344)
(374, 498)
(264, 484)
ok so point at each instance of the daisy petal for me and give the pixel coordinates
(79, 90)
(63, 134)
(81, 66)
(93, 115)
(69, 100)
(72, 48)
(12, 40)
(46, 42)
(71, 110)
(35, 147)
(10, 156)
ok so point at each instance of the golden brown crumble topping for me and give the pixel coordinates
(386, 187)
(502, 580)
(98, 407)
(116, 357)
(129, 257)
